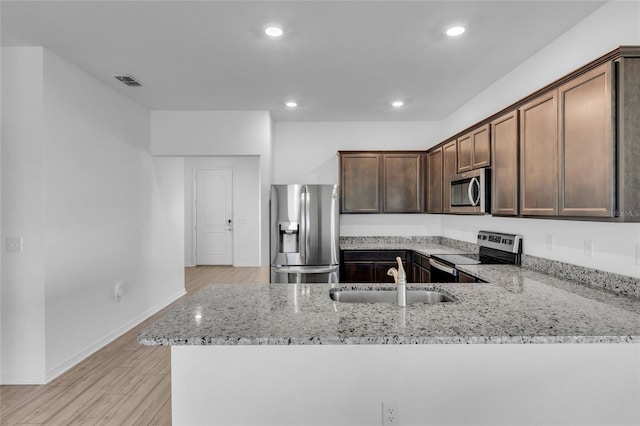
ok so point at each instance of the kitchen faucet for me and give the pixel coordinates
(400, 278)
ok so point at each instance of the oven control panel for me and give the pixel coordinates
(511, 243)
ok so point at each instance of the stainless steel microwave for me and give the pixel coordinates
(470, 192)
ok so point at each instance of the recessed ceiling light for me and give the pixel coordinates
(455, 31)
(291, 104)
(397, 104)
(274, 31)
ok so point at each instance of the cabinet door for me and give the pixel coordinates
(481, 147)
(358, 272)
(539, 156)
(465, 153)
(415, 273)
(466, 278)
(586, 145)
(402, 187)
(360, 180)
(434, 181)
(381, 269)
(425, 276)
(504, 176)
(450, 154)
(474, 149)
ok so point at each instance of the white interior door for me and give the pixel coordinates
(214, 212)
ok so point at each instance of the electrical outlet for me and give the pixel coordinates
(14, 244)
(390, 413)
(588, 248)
(118, 291)
(550, 242)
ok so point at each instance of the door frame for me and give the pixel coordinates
(194, 212)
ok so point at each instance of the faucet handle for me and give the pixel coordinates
(393, 272)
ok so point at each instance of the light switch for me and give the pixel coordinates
(588, 248)
(14, 244)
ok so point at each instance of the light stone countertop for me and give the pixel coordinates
(516, 305)
(425, 249)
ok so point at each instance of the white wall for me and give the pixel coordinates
(246, 206)
(23, 274)
(485, 384)
(220, 133)
(94, 209)
(306, 153)
(616, 23)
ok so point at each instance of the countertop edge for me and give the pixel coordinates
(396, 340)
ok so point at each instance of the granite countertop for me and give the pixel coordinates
(425, 249)
(515, 305)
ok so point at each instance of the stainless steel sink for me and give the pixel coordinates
(389, 296)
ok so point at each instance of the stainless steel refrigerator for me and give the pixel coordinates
(305, 232)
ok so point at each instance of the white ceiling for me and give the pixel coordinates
(341, 60)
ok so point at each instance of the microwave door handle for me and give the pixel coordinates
(476, 182)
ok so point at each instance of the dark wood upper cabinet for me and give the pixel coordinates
(504, 165)
(474, 149)
(465, 156)
(449, 168)
(539, 156)
(381, 182)
(402, 188)
(586, 145)
(628, 139)
(568, 150)
(360, 182)
(434, 180)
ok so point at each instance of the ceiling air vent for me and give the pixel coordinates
(128, 80)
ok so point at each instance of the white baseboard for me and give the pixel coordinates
(20, 379)
(74, 360)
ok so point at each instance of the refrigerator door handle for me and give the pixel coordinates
(303, 227)
(335, 231)
(307, 222)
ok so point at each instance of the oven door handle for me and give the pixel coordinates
(444, 268)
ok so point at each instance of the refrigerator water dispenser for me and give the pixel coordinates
(289, 237)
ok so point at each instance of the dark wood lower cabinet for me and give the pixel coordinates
(466, 278)
(371, 266)
(358, 272)
(421, 271)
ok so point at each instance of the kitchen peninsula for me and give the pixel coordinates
(522, 348)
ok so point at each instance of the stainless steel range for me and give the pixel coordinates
(495, 248)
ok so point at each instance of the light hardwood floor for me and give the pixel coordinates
(121, 384)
